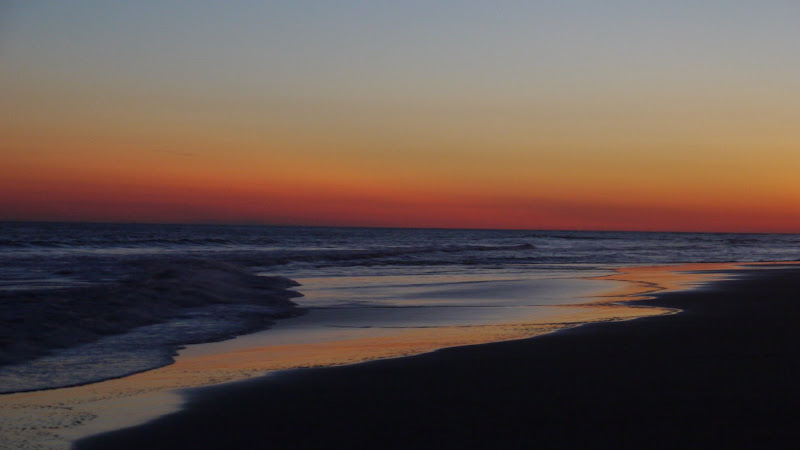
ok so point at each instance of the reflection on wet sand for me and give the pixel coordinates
(54, 418)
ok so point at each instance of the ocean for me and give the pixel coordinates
(56, 278)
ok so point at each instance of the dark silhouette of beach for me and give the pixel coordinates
(724, 372)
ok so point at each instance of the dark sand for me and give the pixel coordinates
(725, 372)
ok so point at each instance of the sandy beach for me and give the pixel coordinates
(721, 372)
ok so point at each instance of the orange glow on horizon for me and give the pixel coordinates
(180, 195)
(294, 179)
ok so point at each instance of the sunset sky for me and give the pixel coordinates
(615, 115)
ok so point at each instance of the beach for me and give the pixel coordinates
(186, 308)
(399, 225)
(327, 337)
(722, 372)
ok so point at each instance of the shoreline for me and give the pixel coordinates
(626, 383)
(100, 407)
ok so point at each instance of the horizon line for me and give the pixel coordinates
(298, 225)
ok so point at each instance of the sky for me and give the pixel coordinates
(616, 115)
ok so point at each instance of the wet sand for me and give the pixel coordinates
(722, 372)
(54, 418)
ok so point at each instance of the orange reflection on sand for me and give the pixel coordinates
(640, 281)
(55, 417)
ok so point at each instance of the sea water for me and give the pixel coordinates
(352, 278)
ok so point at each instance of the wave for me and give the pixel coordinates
(35, 323)
(376, 256)
(130, 242)
(584, 236)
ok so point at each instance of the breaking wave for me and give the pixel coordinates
(189, 301)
